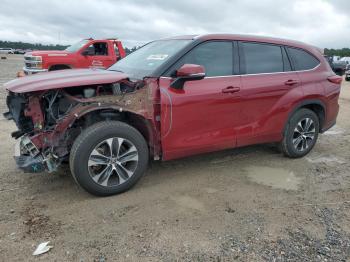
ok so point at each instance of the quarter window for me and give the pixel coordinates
(216, 57)
(302, 60)
(262, 58)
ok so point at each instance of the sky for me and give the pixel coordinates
(324, 23)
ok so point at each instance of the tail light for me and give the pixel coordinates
(335, 79)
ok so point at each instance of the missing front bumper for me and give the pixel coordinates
(29, 159)
(28, 163)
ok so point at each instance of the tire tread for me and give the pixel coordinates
(284, 145)
(92, 131)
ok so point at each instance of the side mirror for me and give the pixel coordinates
(187, 72)
(87, 52)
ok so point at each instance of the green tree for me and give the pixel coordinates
(337, 52)
(22, 45)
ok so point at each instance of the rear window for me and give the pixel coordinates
(302, 60)
(262, 58)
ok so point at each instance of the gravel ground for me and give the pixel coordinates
(242, 204)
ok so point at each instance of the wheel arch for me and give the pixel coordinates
(59, 66)
(139, 122)
(315, 105)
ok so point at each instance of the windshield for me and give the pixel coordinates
(144, 61)
(75, 47)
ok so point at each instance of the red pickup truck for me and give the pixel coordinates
(169, 99)
(87, 53)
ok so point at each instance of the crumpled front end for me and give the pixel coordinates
(26, 111)
(28, 157)
(49, 121)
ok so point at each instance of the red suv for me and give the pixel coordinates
(169, 99)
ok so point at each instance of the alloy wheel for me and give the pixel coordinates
(304, 134)
(113, 161)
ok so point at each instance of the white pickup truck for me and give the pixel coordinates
(7, 51)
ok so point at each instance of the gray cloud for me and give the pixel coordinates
(319, 22)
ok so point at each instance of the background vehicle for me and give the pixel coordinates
(87, 53)
(346, 59)
(19, 52)
(347, 75)
(169, 99)
(6, 51)
(339, 67)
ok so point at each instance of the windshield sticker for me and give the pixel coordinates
(157, 57)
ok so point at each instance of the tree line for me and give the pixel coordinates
(337, 52)
(21, 45)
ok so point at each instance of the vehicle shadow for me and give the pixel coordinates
(160, 172)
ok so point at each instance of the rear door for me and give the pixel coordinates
(268, 83)
(201, 116)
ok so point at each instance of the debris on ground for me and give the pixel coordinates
(42, 248)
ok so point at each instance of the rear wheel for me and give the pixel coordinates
(108, 158)
(347, 78)
(301, 133)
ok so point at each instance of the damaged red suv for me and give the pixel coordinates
(169, 99)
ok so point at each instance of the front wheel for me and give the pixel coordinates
(108, 158)
(301, 133)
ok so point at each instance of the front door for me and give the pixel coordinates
(201, 117)
(99, 56)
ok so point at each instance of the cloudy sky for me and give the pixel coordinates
(325, 23)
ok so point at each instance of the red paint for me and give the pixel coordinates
(199, 118)
(77, 60)
(34, 111)
(189, 69)
(335, 79)
(63, 78)
(210, 114)
(205, 116)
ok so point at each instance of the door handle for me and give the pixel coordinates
(231, 89)
(291, 82)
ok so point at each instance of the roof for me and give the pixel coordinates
(253, 38)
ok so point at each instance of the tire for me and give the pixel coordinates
(304, 141)
(95, 155)
(347, 78)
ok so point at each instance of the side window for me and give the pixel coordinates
(262, 58)
(216, 57)
(302, 60)
(98, 48)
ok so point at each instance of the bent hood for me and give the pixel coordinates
(62, 79)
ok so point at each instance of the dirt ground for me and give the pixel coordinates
(243, 204)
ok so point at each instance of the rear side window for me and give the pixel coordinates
(302, 60)
(259, 58)
(215, 56)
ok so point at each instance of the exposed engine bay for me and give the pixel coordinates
(48, 121)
